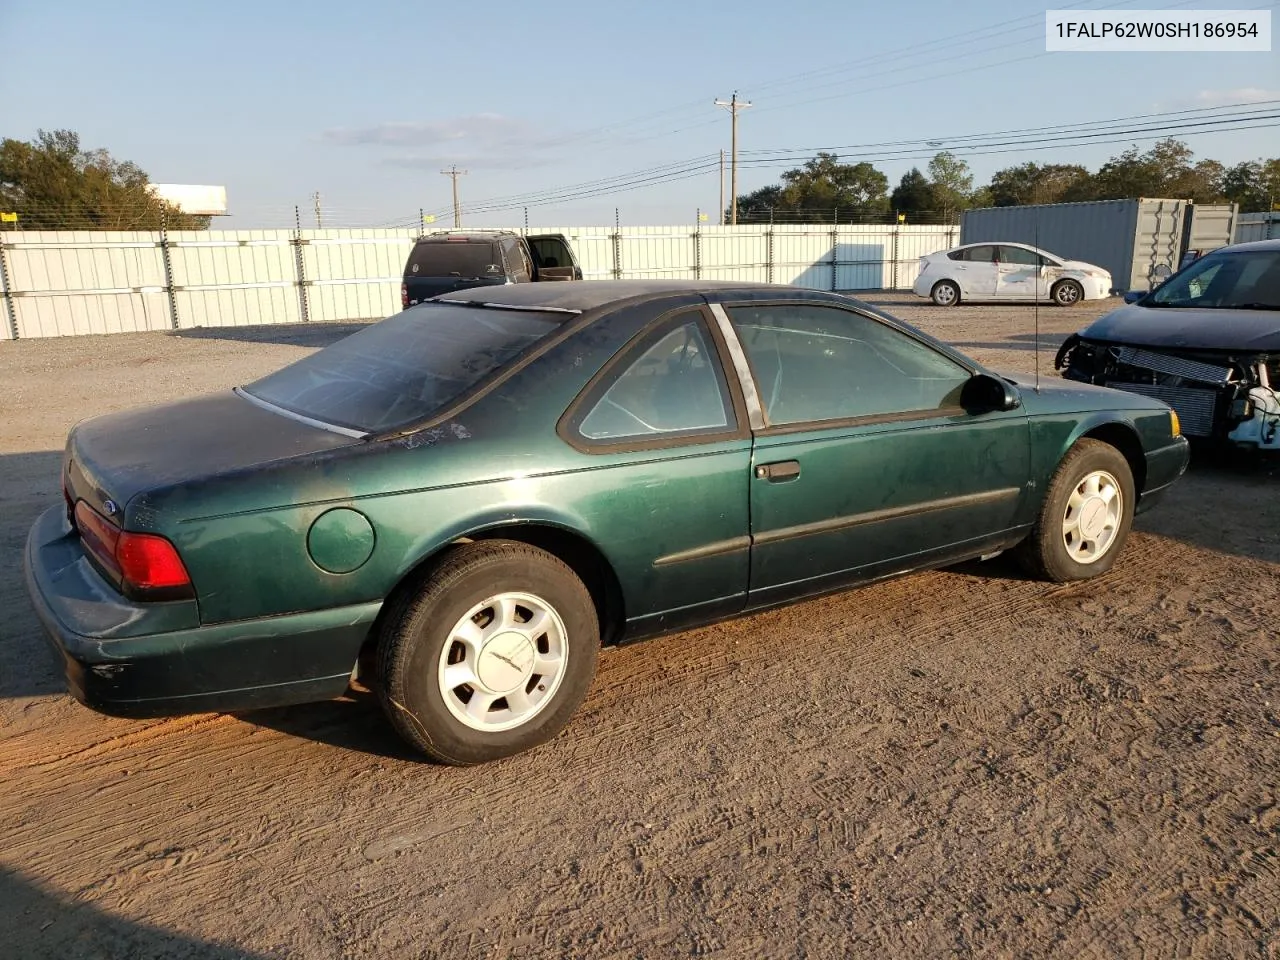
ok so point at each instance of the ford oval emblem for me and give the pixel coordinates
(111, 508)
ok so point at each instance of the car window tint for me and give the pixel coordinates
(674, 387)
(445, 258)
(404, 368)
(1019, 256)
(1224, 280)
(551, 253)
(982, 254)
(823, 363)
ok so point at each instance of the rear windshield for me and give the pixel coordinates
(404, 368)
(445, 258)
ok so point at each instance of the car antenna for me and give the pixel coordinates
(1039, 269)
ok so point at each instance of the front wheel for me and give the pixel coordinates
(945, 293)
(1085, 517)
(1067, 293)
(490, 656)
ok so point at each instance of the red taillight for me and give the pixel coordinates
(150, 562)
(100, 537)
(146, 566)
(404, 296)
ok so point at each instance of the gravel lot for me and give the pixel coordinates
(957, 763)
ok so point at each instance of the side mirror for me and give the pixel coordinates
(1133, 296)
(1161, 272)
(985, 393)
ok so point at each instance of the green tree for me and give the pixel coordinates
(821, 190)
(52, 183)
(1166, 170)
(758, 206)
(913, 196)
(952, 183)
(1254, 184)
(1033, 183)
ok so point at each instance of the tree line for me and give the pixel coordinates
(53, 183)
(826, 190)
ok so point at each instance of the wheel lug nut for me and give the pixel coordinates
(542, 687)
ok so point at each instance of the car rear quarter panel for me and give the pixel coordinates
(244, 536)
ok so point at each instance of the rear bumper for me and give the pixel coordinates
(1164, 466)
(217, 667)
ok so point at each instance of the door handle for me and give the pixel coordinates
(779, 472)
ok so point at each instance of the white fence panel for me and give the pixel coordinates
(864, 258)
(68, 283)
(803, 257)
(736, 253)
(354, 274)
(657, 253)
(234, 278)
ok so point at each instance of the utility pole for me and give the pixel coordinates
(454, 173)
(733, 105)
(722, 188)
(316, 198)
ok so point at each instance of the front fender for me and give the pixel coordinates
(1052, 436)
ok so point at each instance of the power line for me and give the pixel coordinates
(982, 144)
(1159, 132)
(942, 141)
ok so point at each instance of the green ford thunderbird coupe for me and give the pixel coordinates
(461, 504)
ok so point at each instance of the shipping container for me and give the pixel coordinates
(1128, 238)
(1257, 226)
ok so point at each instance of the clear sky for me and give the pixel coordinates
(366, 101)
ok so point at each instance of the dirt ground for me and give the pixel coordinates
(957, 763)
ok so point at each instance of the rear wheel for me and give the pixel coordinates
(945, 293)
(1085, 517)
(490, 656)
(1067, 293)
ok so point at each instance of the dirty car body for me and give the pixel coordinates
(1207, 342)
(687, 451)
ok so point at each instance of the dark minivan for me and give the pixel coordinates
(444, 262)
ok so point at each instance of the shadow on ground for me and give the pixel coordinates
(28, 486)
(355, 722)
(36, 925)
(293, 334)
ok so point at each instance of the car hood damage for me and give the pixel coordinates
(1189, 329)
(1219, 369)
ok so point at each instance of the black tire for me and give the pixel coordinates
(949, 295)
(1067, 293)
(1045, 552)
(417, 628)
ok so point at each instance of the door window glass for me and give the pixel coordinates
(1020, 256)
(821, 363)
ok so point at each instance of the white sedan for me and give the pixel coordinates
(1008, 271)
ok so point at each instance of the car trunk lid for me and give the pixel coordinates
(111, 459)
